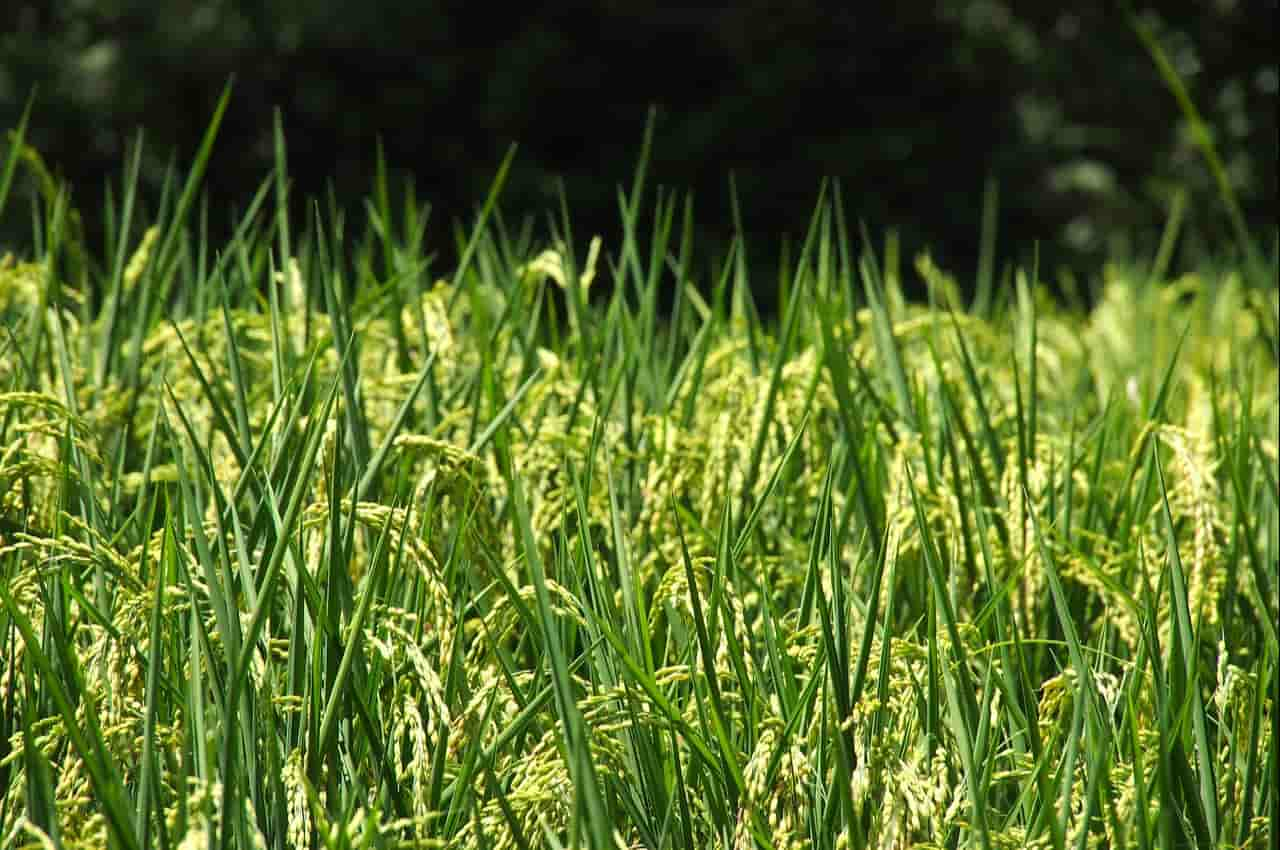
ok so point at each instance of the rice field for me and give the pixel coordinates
(306, 545)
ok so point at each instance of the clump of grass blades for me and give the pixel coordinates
(498, 561)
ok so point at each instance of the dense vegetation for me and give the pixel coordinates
(302, 548)
(911, 105)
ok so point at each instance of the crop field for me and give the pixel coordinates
(303, 544)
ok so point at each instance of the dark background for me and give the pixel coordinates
(911, 107)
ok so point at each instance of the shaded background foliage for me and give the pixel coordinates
(911, 107)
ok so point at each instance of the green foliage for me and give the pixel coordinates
(494, 561)
(911, 105)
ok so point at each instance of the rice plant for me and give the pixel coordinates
(304, 546)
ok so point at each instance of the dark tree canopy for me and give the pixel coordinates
(912, 108)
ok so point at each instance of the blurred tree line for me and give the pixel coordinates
(911, 105)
